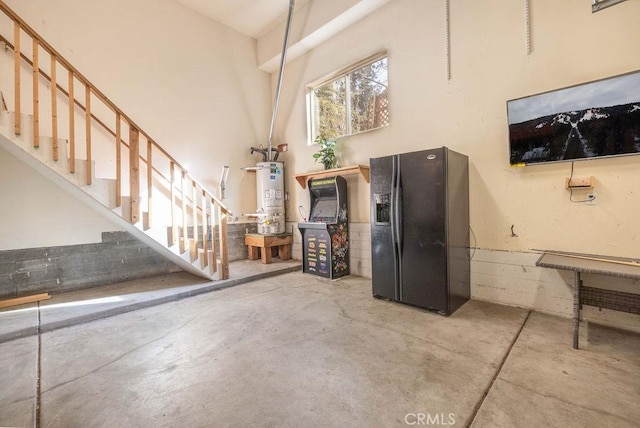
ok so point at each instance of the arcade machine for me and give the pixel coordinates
(325, 237)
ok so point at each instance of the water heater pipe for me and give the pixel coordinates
(278, 86)
(223, 180)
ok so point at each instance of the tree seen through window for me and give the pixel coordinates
(352, 103)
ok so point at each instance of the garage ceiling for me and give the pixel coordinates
(250, 17)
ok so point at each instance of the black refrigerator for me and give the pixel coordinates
(420, 229)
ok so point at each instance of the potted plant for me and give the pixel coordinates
(327, 154)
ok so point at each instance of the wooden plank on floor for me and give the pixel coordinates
(22, 300)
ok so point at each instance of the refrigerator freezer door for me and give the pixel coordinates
(422, 213)
(383, 248)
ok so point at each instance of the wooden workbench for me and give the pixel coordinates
(263, 246)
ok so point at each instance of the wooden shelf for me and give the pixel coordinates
(579, 183)
(347, 170)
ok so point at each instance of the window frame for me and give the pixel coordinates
(331, 77)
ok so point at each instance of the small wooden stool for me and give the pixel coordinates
(267, 245)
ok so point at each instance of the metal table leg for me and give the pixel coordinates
(576, 308)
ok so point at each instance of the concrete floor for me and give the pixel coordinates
(75, 307)
(300, 351)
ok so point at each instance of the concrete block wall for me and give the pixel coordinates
(509, 278)
(235, 238)
(360, 249)
(512, 278)
(118, 257)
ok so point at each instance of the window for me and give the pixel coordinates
(350, 101)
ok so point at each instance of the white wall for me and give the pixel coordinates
(189, 82)
(147, 57)
(35, 213)
(489, 65)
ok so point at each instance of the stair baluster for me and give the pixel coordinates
(72, 124)
(16, 59)
(54, 107)
(36, 100)
(198, 202)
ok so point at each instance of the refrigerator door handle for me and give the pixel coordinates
(394, 221)
(397, 204)
(392, 201)
(397, 225)
(398, 213)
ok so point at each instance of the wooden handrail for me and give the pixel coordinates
(114, 134)
(64, 92)
(87, 83)
(210, 209)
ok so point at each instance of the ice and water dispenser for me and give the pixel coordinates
(382, 207)
(325, 237)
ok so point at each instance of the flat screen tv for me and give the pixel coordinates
(586, 121)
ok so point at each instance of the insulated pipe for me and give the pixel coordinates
(223, 181)
(282, 61)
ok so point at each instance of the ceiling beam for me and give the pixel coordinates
(313, 23)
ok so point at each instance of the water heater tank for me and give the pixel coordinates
(270, 198)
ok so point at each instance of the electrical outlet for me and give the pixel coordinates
(590, 198)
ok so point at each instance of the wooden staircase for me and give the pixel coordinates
(92, 149)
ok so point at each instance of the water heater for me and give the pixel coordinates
(270, 200)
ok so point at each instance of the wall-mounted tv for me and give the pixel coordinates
(586, 121)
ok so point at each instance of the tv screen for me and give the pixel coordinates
(590, 120)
